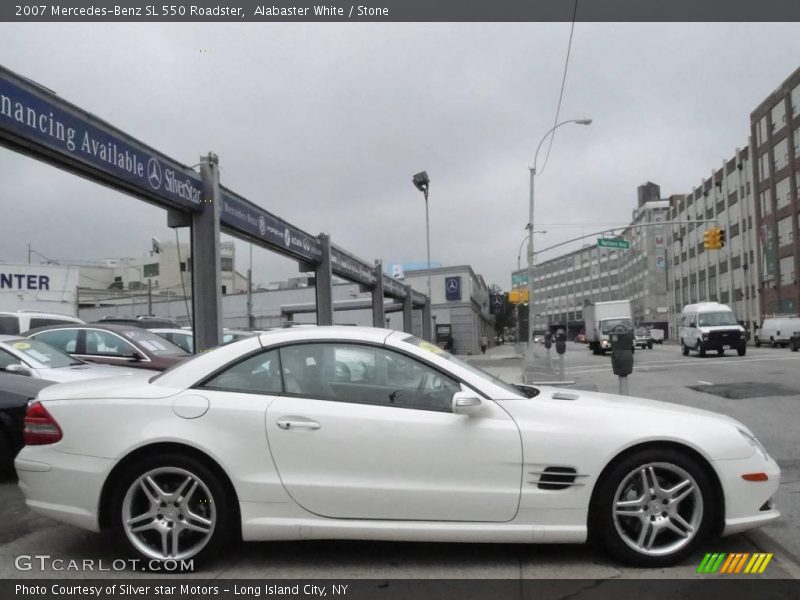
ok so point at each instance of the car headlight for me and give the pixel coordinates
(753, 441)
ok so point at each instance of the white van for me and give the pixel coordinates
(710, 326)
(14, 323)
(777, 331)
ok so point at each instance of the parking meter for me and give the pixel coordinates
(548, 340)
(561, 341)
(622, 348)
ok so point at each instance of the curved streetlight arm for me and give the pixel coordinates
(552, 129)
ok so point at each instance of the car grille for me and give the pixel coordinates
(728, 336)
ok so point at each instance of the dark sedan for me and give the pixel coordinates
(15, 392)
(112, 345)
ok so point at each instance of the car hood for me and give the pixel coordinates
(633, 404)
(86, 371)
(126, 386)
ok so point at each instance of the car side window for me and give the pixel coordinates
(8, 359)
(258, 374)
(65, 340)
(103, 343)
(9, 325)
(45, 321)
(349, 372)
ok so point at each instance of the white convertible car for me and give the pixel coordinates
(362, 433)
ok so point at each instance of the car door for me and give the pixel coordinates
(366, 432)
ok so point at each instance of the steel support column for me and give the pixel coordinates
(206, 266)
(324, 283)
(378, 315)
(408, 317)
(427, 330)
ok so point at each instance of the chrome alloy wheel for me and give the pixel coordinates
(168, 513)
(658, 509)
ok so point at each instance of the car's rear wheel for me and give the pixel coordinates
(172, 507)
(654, 507)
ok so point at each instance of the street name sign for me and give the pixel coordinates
(613, 243)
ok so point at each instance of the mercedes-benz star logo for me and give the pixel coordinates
(452, 285)
(154, 173)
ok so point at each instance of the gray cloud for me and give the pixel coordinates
(325, 124)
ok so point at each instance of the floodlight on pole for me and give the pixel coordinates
(422, 182)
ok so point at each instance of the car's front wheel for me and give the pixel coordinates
(653, 507)
(171, 507)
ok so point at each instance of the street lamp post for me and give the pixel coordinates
(422, 183)
(529, 227)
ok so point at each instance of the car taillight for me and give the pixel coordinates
(40, 426)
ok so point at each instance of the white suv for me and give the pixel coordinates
(14, 323)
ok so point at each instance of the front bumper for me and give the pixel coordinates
(65, 487)
(748, 504)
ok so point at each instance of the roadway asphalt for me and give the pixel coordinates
(661, 373)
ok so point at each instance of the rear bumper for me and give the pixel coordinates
(65, 487)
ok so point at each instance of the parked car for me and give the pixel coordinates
(144, 321)
(641, 338)
(267, 423)
(580, 338)
(710, 326)
(14, 323)
(657, 335)
(777, 331)
(112, 345)
(15, 393)
(34, 358)
(184, 338)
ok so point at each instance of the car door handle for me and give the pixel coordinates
(295, 423)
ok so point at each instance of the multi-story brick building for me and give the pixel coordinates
(775, 138)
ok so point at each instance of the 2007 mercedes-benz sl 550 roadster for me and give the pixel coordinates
(362, 433)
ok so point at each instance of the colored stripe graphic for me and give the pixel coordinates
(734, 563)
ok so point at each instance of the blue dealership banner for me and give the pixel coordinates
(35, 120)
(452, 288)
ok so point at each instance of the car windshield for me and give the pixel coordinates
(608, 325)
(154, 343)
(42, 353)
(422, 344)
(715, 319)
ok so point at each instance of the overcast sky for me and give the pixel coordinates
(324, 125)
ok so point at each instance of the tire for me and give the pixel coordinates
(684, 349)
(742, 350)
(720, 351)
(6, 456)
(772, 343)
(650, 345)
(625, 536)
(758, 342)
(209, 502)
(701, 351)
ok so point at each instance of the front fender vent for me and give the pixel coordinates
(556, 478)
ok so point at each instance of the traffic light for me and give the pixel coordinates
(518, 296)
(708, 239)
(720, 237)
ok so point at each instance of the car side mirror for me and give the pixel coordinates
(19, 370)
(466, 403)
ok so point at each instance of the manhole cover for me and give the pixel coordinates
(744, 390)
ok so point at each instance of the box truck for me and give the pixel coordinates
(601, 318)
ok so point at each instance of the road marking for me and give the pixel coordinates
(704, 382)
(696, 363)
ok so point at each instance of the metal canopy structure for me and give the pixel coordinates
(35, 121)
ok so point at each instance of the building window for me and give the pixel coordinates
(778, 116)
(765, 201)
(224, 289)
(787, 269)
(785, 232)
(763, 167)
(796, 101)
(796, 142)
(782, 193)
(761, 131)
(780, 154)
(150, 270)
(227, 263)
(712, 286)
